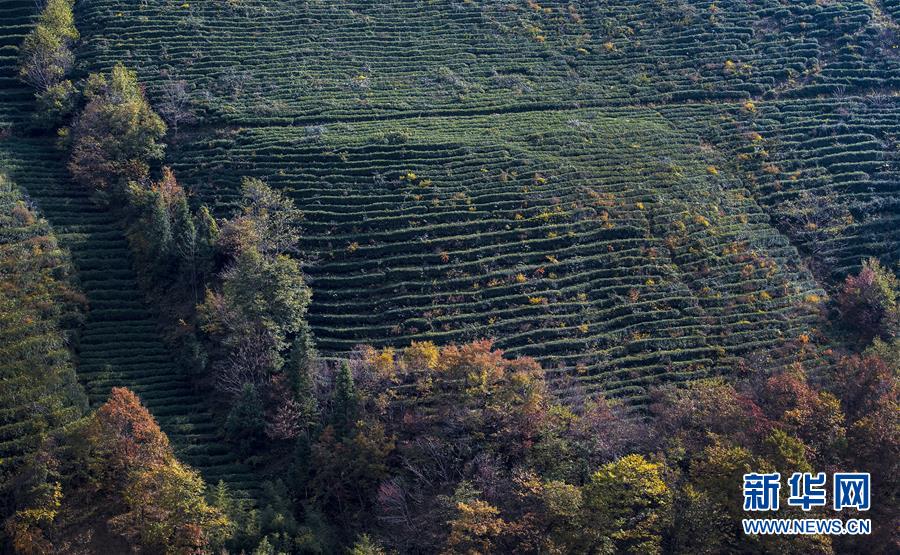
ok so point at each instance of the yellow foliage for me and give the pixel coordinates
(421, 355)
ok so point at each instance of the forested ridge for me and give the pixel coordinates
(444, 276)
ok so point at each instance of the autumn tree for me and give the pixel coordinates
(268, 222)
(114, 472)
(261, 303)
(168, 513)
(163, 505)
(175, 104)
(630, 504)
(260, 306)
(868, 301)
(46, 56)
(124, 439)
(117, 134)
(476, 529)
(37, 492)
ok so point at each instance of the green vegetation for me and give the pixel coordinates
(116, 134)
(868, 302)
(46, 52)
(254, 62)
(39, 310)
(572, 244)
(120, 343)
(110, 483)
(447, 276)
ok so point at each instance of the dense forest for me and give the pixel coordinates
(440, 276)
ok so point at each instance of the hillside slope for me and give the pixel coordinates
(119, 343)
(608, 186)
(605, 244)
(39, 307)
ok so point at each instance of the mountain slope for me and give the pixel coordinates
(608, 186)
(119, 344)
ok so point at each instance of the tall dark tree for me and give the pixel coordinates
(345, 403)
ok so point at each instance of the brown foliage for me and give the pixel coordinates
(126, 438)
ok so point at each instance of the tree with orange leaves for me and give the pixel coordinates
(125, 438)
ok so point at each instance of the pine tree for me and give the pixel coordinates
(345, 402)
(184, 241)
(246, 424)
(299, 372)
(184, 232)
(159, 230)
(206, 237)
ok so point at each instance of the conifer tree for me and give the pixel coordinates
(345, 403)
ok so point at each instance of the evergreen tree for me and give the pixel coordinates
(299, 372)
(207, 235)
(345, 402)
(184, 232)
(159, 230)
(246, 425)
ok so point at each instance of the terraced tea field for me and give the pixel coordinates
(263, 62)
(617, 188)
(607, 186)
(606, 244)
(119, 344)
(829, 169)
(16, 101)
(39, 308)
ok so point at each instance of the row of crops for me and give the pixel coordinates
(16, 101)
(826, 170)
(258, 62)
(119, 344)
(534, 171)
(38, 310)
(604, 243)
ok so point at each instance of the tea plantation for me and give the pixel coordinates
(628, 191)
(611, 187)
(254, 62)
(604, 243)
(119, 342)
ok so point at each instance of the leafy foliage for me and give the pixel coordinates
(116, 134)
(46, 56)
(868, 301)
(115, 473)
(39, 309)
